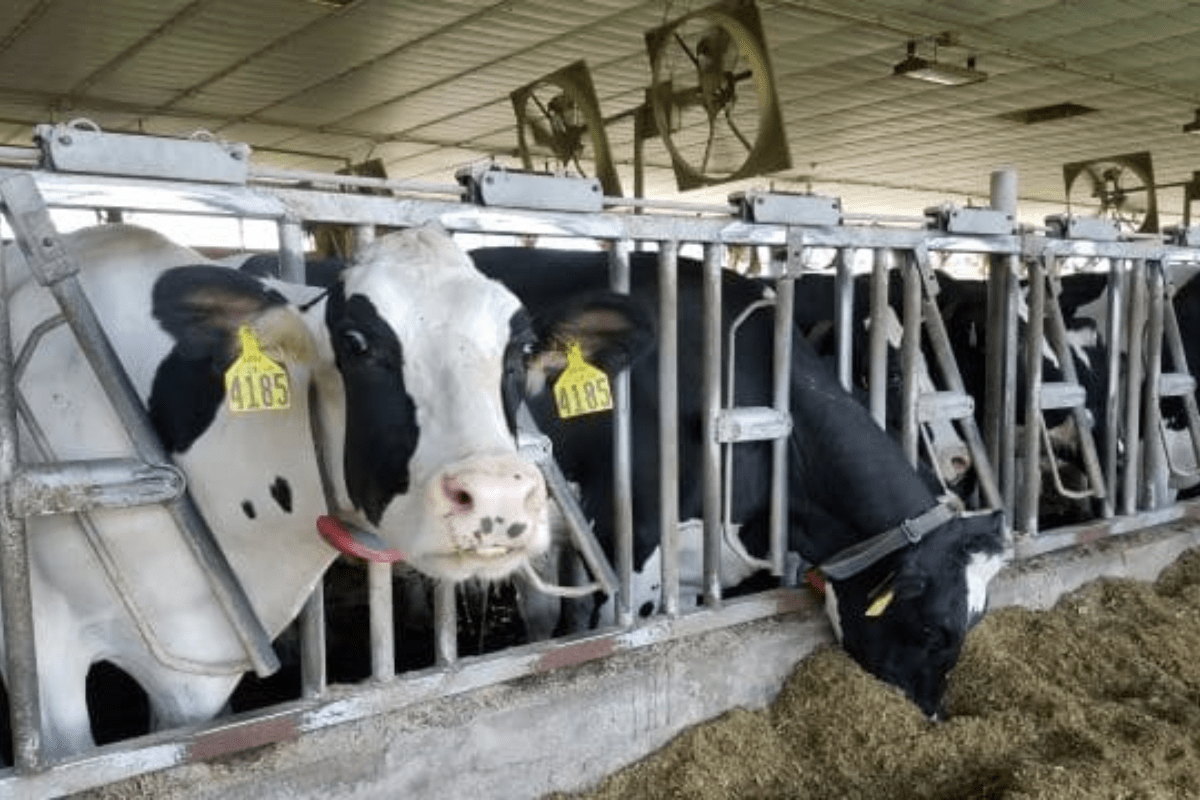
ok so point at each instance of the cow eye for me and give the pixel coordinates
(354, 341)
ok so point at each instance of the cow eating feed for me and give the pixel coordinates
(903, 616)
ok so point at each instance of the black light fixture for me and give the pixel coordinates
(934, 71)
(1194, 125)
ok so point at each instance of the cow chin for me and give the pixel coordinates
(483, 518)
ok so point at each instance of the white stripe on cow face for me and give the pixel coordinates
(473, 507)
(979, 573)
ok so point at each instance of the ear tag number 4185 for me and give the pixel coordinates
(254, 382)
(582, 388)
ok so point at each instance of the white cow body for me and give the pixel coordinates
(254, 475)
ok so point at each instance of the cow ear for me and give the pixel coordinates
(202, 307)
(612, 331)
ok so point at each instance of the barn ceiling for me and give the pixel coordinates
(425, 86)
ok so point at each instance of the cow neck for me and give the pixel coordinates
(858, 557)
(333, 527)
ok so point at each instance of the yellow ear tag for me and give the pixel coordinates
(582, 388)
(254, 382)
(880, 604)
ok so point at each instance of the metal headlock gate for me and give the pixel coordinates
(78, 167)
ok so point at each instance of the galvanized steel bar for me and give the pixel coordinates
(1000, 381)
(1174, 343)
(1155, 473)
(43, 250)
(1117, 346)
(881, 266)
(313, 675)
(843, 317)
(711, 450)
(291, 250)
(620, 280)
(668, 420)
(1027, 510)
(445, 623)
(1131, 484)
(781, 399)
(910, 351)
(15, 596)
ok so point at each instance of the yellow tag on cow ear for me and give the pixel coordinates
(880, 604)
(253, 381)
(581, 388)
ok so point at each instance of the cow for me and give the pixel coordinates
(1082, 296)
(408, 363)
(903, 615)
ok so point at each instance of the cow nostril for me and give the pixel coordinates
(960, 465)
(460, 499)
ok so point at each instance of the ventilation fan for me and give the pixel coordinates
(558, 120)
(1119, 188)
(713, 96)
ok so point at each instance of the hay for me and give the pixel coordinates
(1097, 698)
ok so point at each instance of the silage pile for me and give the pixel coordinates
(1096, 698)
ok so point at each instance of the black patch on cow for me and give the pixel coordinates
(281, 492)
(248, 509)
(201, 307)
(381, 419)
(521, 342)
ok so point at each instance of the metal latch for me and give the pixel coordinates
(491, 185)
(979, 221)
(1064, 226)
(80, 146)
(787, 209)
(752, 424)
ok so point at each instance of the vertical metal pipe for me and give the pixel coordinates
(445, 624)
(1027, 513)
(782, 372)
(313, 677)
(843, 317)
(1117, 344)
(1155, 464)
(291, 251)
(668, 420)
(910, 344)
(712, 354)
(619, 278)
(1000, 383)
(20, 653)
(999, 412)
(881, 267)
(1133, 384)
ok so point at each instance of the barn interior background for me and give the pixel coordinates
(1095, 106)
(330, 84)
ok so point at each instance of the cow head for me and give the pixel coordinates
(418, 361)
(905, 619)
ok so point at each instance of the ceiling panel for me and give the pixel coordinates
(425, 86)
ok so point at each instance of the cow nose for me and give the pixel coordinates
(494, 501)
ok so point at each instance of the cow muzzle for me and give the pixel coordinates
(493, 505)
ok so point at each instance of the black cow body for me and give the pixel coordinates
(848, 480)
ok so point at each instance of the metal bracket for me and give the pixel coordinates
(1064, 226)
(787, 209)
(81, 146)
(933, 406)
(490, 185)
(752, 424)
(979, 221)
(1062, 394)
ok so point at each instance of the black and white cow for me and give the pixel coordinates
(849, 481)
(410, 358)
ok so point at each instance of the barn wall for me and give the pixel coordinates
(567, 729)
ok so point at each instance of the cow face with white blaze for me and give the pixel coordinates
(420, 340)
(905, 618)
